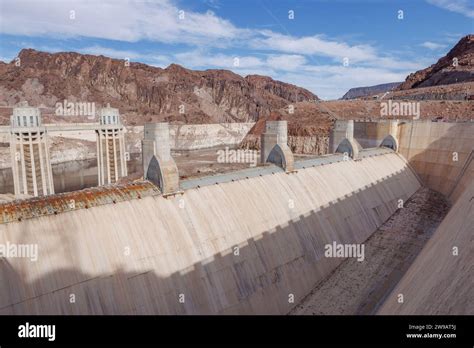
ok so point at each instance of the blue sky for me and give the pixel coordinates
(328, 47)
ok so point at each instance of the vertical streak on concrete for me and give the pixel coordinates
(116, 172)
(99, 158)
(107, 155)
(44, 187)
(461, 174)
(15, 169)
(48, 162)
(410, 139)
(102, 159)
(33, 167)
(23, 165)
(122, 156)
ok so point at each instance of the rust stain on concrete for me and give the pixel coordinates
(38, 206)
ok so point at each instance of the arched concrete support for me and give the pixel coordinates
(275, 133)
(165, 176)
(282, 157)
(349, 146)
(390, 142)
(158, 165)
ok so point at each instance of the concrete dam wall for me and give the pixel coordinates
(182, 137)
(371, 134)
(246, 246)
(195, 136)
(437, 151)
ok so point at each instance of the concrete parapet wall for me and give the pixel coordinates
(193, 137)
(238, 247)
(343, 129)
(182, 137)
(371, 134)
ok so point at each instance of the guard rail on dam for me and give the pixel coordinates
(241, 243)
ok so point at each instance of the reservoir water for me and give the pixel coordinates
(77, 175)
(69, 176)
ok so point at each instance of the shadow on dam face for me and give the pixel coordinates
(267, 273)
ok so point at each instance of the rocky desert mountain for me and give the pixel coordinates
(359, 92)
(451, 78)
(143, 93)
(455, 67)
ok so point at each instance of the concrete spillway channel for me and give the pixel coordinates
(140, 255)
(251, 242)
(362, 287)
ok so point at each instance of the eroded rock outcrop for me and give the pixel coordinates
(144, 93)
(456, 67)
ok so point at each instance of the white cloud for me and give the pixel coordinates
(111, 52)
(203, 59)
(6, 59)
(432, 45)
(396, 64)
(213, 3)
(273, 62)
(286, 62)
(313, 45)
(329, 81)
(157, 60)
(122, 20)
(464, 7)
(358, 55)
(332, 82)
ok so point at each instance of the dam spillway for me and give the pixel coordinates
(247, 242)
(138, 256)
(440, 281)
